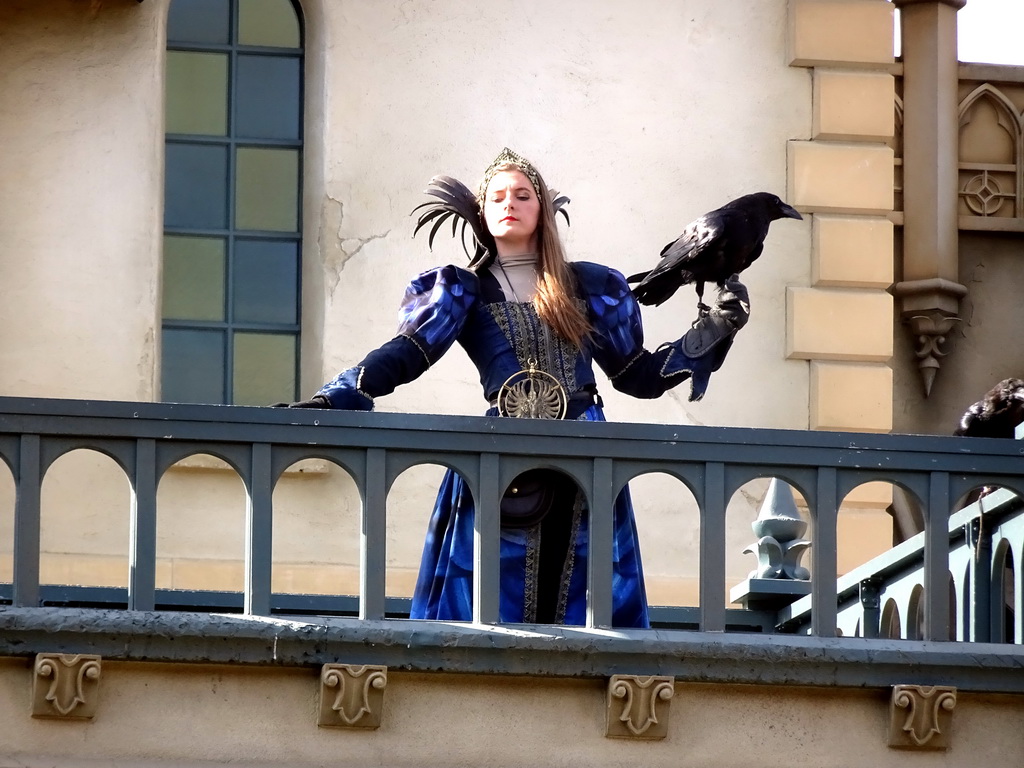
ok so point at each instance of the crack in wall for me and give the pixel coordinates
(342, 249)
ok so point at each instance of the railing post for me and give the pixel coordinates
(26, 523)
(259, 533)
(1018, 605)
(981, 605)
(373, 544)
(824, 609)
(871, 603)
(936, 558)
(486, 544)
(712, 549)
(601, 518)
(142, 529)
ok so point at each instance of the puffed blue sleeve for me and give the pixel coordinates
(433, 313)
(618, 339)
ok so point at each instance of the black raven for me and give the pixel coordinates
(716, 246)
(997, 414)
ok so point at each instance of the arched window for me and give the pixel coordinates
(233, 180)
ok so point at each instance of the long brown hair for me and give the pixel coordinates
(555, 299)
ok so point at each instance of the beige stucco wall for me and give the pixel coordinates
(258, 716)
(646, 114)
(80, 198)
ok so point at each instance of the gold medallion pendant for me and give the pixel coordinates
(532, 394)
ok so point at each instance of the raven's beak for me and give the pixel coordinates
(790, 212)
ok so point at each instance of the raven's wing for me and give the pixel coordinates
(682, 260)
(455, 202)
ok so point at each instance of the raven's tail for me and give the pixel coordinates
(638, 277)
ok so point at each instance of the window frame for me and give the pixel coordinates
(231, 235)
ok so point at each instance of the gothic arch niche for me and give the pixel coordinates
(316, 534)
(85, 500)
(200, 526)
(668, 527)
(989, 182)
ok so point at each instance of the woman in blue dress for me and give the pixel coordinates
(520, 309)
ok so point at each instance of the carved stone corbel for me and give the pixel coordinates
(930, 309)
(920, 716)
(64, 686)
(351, 696)
(638, 707)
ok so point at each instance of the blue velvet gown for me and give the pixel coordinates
(543, 567)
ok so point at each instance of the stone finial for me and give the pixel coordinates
(778, 579)
(64, 686)
(778, 528)
(352, 696)
(638, 707)
(920, 716)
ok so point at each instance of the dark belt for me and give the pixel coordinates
(578, 402)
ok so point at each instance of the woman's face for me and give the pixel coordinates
(511, 212)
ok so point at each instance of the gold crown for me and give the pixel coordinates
(505, 158)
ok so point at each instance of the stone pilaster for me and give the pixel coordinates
(843, 177)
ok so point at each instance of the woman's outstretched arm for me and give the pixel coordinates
(433, 313)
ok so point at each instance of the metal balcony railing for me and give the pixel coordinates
(145, 439)
(884, 597)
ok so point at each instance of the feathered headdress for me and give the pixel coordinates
(455, 201)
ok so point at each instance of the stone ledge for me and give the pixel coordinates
(510, 650)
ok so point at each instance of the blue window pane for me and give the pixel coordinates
(199, 21)
(193, 366)
(267, 97)
(196, 186)
(266, 282)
